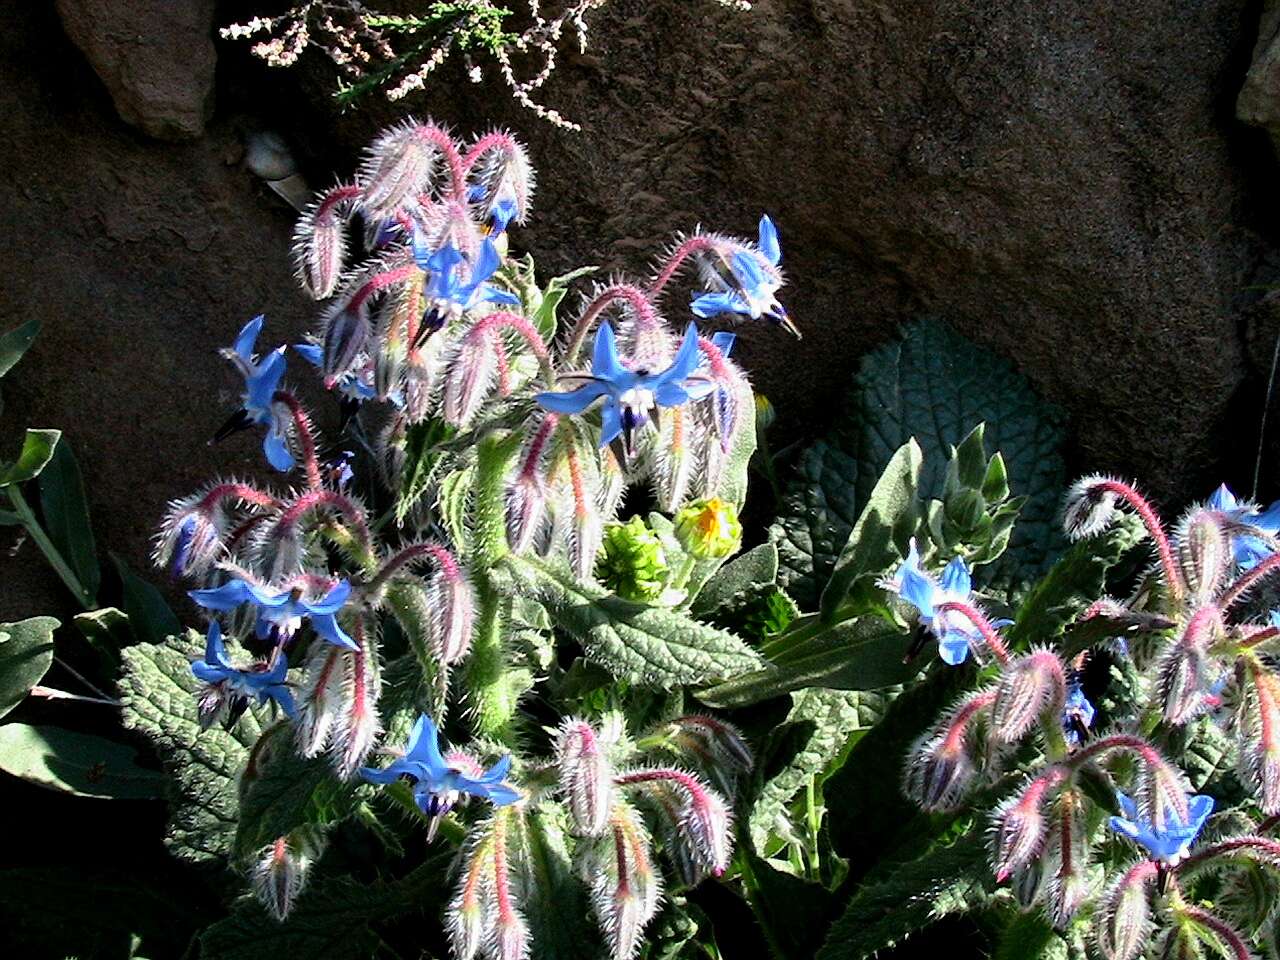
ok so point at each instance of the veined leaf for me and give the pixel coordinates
(14, 343)
(756, 568)
(66, 518)
(159, 693)
(77, 763)
(37, 451)
(650, 646)
(544, 317)
(26, 653)
(794, 912)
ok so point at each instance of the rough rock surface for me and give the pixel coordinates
(1259, 100)
(156, 58)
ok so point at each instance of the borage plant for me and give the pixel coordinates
(449, 641)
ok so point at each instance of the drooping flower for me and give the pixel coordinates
(1171, 841)
(955, 632)
(231, 689)
(751, 284)
(632, 398)
(261, 378)
(1077, 714)
(355, 384)
(446, 294)
(440, 782)
(1249, 549)
(280, 613)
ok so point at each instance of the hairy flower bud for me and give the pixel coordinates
(1020, 826)
(280, 873)
(1122, 924)
(1205, 556)
(1090, 507)
(1258, 725)
(346, 329)
(717, 746)
(940, 770)
(398, 166)
(471, 368)
(320, 241)
(633, 563)
(585, 776)
(625, 888)
(453, 609)
(1183, 677)
(709, 528)
(1067, 856)
(338, 704)
(1029, 686)
(705, 820)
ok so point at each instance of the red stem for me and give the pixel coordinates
(236, 491)
(315, 499)
(676, 259)
(645, 313)
(306, 438)
(537, 445)
(974, 616)
(380, 281)
(1249, 579)
(334, 197)
(1224, 931)
(1154, 527)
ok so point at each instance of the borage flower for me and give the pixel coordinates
(280, 613)
(954, 631)
(750, 285)
(356, 384)
(261, 378)
(1250, 549)
(439, 782)
(230, 689)
(632, 398)
(1077, 715)
(447, 296)
(1168, 843)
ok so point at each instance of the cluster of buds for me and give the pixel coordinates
(975, 516)
(1197, 648)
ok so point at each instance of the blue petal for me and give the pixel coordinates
(671, 395)
(917, 588)
(261, 386)
(610, 422)
(769, 241)
(424, 747)
(953, 648)
(1126, 827)
(281, 695)
(487, 263)
(604, 355)
(573, 401)
(276, 447)
(491, 294)
(956, 579)
(326, 627)
(248, 336)
(747, 270)
(503, 212)
(1222, 499)
(210, 672)
(498, 772)
(311, 352)
(1127, 806)
(226, 597)
(723, 341)
(215, 651)
(1250, 551)
(714, 304)
(1269, 520)
(1199, 807)
(388, 775)
(332, 601)
(445, 260)
(264, 597)
(686, 360)
(501, 795)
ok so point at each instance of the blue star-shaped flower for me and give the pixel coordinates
(261, 379)
(280, 614)
(1249, 550)
(1170, 843)
(751, 289)
(631, 397)
(1077, 714)
(437, 783)
(447, 295)
(351, 384)
(953, 630)
(261, 683)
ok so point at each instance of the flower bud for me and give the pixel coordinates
(1122, 924)
(633, 563)
(705, 820)
(585, 776)
(1020, 826)
(1067, 856)
(453, 609)
(1090, 507)
(471, 372)
(192, 537)
(716, 744)
(279, 874)
(346, 333)
(1028, 687)
(1259, 733)
(939, 769)
(471, 908)
(320, 241)
(709, 528)
(625, 888)
(526, 508)
(398, 166)
(1205, 555)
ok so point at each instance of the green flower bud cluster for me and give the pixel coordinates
(632, 562)
(976, 513)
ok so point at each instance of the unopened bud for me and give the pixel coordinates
(320, 242)
(471, 373)
(709, 528)
(346, 332)
(279, 875)
(1090, 507)
(526, 503)
(633, 563)
(1122, 925)
(1028, 687)
(453, 609)
(940, 770)
(585, 776)
(398, 166)
(1020, 826)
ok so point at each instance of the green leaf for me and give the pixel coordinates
(544, 318)
(735, 472)
(935, 386)
(150, 617)
(862, 654)
(946, 880)
(107, 631)
(1074, 582)
(826, 721)
(37, 451)
(455, 492)
(159, 694)
(793, 912)
(880, 536)
(66, 518)
(26, 653)
(756, 568)
(14, 343)
(288, 791)
(556, 902)
(1030, 936)
(650, 646)
(77, 763)
(494, 456)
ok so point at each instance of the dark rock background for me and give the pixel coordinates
(1063, 182)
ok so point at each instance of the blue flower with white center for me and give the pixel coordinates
(1249, 550)
(261, 380)
(1170, 842)
(438, 784)
(1077, 714)
(446, 294)
(631, 397)
(280, 614)
(236, 688)
(354, 384)
(955, 633)
(751, 288)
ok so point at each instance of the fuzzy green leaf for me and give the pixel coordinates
(1030, 936)
(14, 343)
(734, 473)
(756, 568)
(26, 653)
(946, 880)
(494, 456)
(159, 693)
(76, 763)
(37, 451)
(544, 317)
(66, 518)
(935, 386)
(650, 646)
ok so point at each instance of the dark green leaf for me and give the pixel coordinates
(77, 763)
(37, 451)
(935, 386)
(14, 343)
(26, 652)
(755, 568)
(66, 518)
(1030, 936)
(650, 646)
(107, 631)
(149, 616)
(882, 531)
(544, 318)
(794, 912)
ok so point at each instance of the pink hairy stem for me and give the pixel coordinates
(501, 877)
(1154, 527)
(1249, 579)
(675, 261)
(646, 315)
(954, 740)
(494, 140)
(306, 436)
(236, 491)
(457, 171)
(502, 319)
(1263, 847)
(335, 197)
(443, 558)
(317, 499)
(380, 281)
(1119, 741)
(974, 616)
(537, 445)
